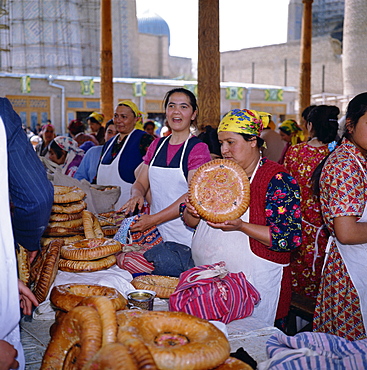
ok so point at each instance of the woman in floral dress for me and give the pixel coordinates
(301, 161)
(341, 307)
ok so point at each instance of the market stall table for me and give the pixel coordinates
(249, 333)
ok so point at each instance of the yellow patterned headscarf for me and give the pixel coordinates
(99, 117)
(290, 127)
(244, 121)
(137, 112)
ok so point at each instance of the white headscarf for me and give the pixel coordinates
(71, 147)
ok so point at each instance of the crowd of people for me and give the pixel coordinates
(304, 230)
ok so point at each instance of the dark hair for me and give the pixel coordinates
(357, 108)
(307, 111)
(148, 123)
(210, 138)
(92, 119)
(109, 123)
(324, 119)
(58, 151)
(76, 126)
(188, 93)
(259, 140)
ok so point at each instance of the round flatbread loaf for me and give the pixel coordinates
(48, 270)
(67, 224)
(60, 217)
(164, 286)
(67, 194)
(86, 266)
(220, 190)
(75, 207)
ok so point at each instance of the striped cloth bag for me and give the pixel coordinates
(211, 292)
(134, 245)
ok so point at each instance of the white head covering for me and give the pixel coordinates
(71, 147)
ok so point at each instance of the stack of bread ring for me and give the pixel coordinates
(66, 220)
(87, 255)
(97, 335)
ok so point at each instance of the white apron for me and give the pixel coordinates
(211, 245)
(166, 186)
(355, 259)
(9, 293)
(108, 174)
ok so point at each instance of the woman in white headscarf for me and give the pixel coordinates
(65, 152)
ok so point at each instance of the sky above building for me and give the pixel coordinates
(243, 23)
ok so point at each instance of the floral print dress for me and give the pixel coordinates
(307, 261)
(343, 193)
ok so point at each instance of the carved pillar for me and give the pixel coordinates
(208, 64)
(305, 62)
(106, 60)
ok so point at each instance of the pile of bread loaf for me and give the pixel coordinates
(95, 331)
(73, 241)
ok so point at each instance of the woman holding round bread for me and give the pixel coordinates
(167, 169)
(259, 242)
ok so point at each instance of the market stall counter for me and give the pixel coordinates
(248, 333)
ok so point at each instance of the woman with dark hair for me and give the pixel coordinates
(259, 242)
(341, 306)
(65, 152)
(122, 154)
(95, 123)
(47, 134)
(168, 168)
(301, 161)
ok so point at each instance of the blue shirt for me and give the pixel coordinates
(89, 164)
(31, 193)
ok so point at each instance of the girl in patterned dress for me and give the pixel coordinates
(301, 161)
(342, 298)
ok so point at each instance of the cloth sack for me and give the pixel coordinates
(170, 258)
(211, 292)
(99, 198)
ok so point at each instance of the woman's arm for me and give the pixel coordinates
(349, 231)
(138, 190)
(167, 214)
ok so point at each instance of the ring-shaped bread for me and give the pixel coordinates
(233, 363)
(67, 296)
(113, 356)
(90, 249)
(66, 239)
(164, 286)
(220, 190)
(24, 266)
(62, 231)
(87, 266)
(66, 224)
(62, 189)
(75, 341)
(73, 195)
(75, 207)
(106, 311)
(48, 271)
(57, 217)
(177, 340)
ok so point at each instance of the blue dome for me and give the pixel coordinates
(152, 24)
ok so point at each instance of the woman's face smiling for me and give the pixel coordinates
(235, 148)
(179, 112)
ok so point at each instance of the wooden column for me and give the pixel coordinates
(208, 64)
(107, 107)
(305, 62)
